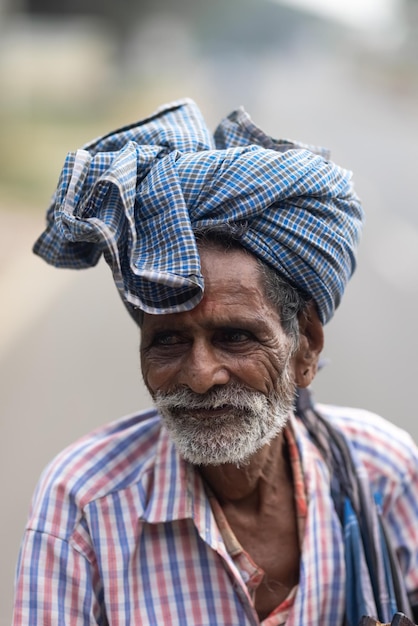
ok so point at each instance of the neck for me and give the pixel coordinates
(249, 483)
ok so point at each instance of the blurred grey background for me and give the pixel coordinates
(341, 74)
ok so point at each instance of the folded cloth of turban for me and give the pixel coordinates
(136, 195)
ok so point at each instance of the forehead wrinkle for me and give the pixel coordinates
(253, 321)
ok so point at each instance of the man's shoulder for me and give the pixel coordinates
(110, 459)
(381, 445)
(362, 422)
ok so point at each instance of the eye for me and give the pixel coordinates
(235, 336)
(167, 339)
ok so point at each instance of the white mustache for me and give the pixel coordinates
(231, 396)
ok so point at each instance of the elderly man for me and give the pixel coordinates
(235, 500)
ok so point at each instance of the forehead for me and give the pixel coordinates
(230, 271)
(233, 292)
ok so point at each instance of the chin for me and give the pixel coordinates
(233, 448)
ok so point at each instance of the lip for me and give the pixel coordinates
(211, 413)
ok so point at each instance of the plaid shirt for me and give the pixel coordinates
(122, 532)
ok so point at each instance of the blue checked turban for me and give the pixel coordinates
(136, 195)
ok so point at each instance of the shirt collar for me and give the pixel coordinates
(170, 496)
(177, 490)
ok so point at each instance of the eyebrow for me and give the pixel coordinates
(253, 323)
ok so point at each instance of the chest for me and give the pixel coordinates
(271, 541)
(161, 569)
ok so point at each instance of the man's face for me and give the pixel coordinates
(221, 374)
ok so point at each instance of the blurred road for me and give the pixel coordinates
(68, 350)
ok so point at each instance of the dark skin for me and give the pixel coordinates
(235, 334)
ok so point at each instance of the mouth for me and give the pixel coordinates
(207, 412)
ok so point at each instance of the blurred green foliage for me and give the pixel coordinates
(35, 143)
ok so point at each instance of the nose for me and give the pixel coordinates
(203, 368)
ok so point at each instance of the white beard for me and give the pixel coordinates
(251, 420)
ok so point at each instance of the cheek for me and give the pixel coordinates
(261, 371)
(156, 376)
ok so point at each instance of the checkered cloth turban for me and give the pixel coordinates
(135, 196)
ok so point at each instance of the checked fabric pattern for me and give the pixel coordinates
(136, 194)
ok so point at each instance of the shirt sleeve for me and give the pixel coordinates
(55, 584)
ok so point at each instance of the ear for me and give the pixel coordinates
(311, 342)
